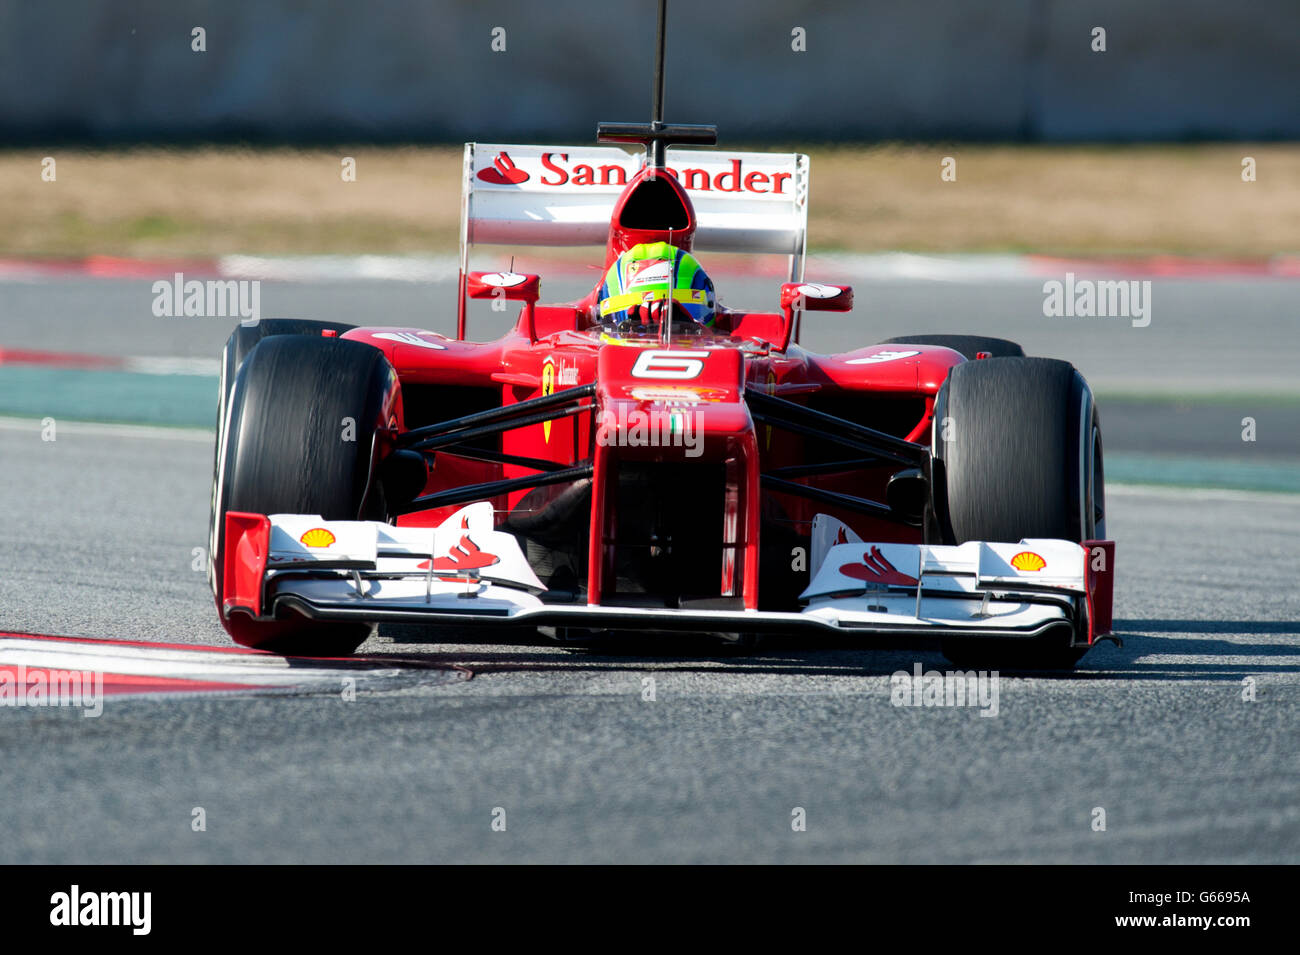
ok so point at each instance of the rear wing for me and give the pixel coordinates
(565, 195)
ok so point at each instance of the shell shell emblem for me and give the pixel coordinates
(317, 537)
(1028, 560)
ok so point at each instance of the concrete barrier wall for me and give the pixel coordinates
(339, 70)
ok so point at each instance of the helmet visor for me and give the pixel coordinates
(618, 308)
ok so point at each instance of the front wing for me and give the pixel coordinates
(465, 572)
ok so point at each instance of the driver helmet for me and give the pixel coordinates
(653, 277)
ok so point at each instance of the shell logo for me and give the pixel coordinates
(317, 537)
(1028, 560)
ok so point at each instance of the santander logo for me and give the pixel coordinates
(503, 171)
(876, 569)
(722, 175)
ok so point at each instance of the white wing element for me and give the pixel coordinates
(970, 567)
(465, 571)
(564, 195)
(466, 546)
(828, 531)
(976, 587)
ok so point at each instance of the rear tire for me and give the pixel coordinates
(969, 345)
(287, 448)
(1018, 444)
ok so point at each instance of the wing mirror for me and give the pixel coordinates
(508, 286)
(798, 297)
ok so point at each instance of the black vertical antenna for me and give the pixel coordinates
(657, 135)
(658, 148)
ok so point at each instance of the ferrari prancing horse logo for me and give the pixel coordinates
(548, 388)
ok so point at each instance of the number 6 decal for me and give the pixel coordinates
(675, 365)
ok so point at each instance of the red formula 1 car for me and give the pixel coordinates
(586, 477)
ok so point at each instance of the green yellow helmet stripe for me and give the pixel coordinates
(687, 296)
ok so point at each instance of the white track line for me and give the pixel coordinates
(153, 365)
(197, 664)
(326, 268)
(103, 429)
(1200, 493)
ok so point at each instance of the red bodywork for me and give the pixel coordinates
(701, 379)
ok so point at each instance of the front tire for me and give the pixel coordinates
(238, 346)
(301, 436)
(1018, 443)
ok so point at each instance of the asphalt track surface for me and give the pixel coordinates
(97, 531)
